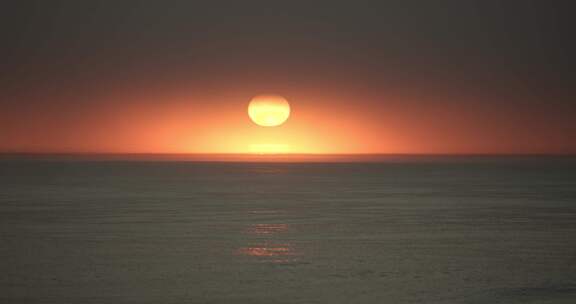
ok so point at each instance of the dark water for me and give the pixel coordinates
(467, 230)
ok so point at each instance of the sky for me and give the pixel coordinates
(416, 77)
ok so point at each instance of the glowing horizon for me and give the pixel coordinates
(322, 124)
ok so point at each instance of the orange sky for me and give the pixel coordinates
(393, 77)
(327, 123)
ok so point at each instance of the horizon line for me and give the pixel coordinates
(292, 154)
(265, 158)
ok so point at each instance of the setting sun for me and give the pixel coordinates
(269, 110)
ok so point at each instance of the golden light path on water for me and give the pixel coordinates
(269, 245)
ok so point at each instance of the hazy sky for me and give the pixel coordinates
(380, 76)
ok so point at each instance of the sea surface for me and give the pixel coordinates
(399, 230)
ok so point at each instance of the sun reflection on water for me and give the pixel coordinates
(266, 229)
(269, 241)
(280, 252)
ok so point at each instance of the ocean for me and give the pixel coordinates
(391, 230)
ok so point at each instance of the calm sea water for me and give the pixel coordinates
(415, 230)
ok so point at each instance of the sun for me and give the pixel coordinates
(269, 110)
